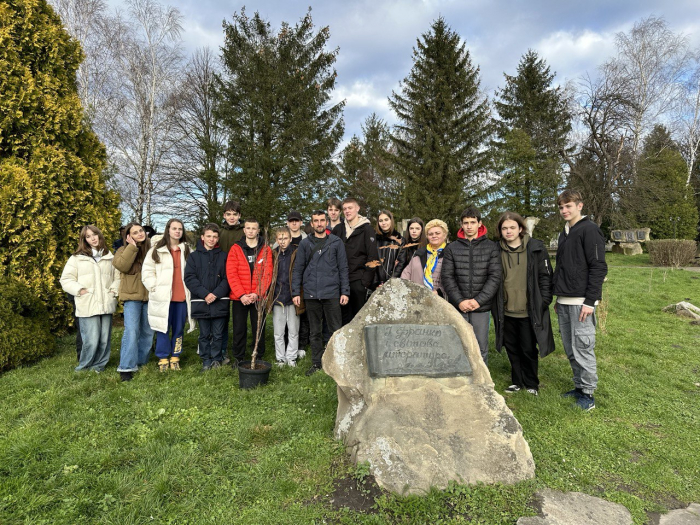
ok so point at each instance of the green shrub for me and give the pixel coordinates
(671, 252)
(25, 333)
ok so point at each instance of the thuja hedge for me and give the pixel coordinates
(25, 332)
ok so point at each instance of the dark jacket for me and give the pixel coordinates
(581, 267)
(205, 273)
(360, 249)
(283, 282)
(388, 250)
(229, 235)
(472, 270)
(323, 273)
(539, 297)
(406, 253)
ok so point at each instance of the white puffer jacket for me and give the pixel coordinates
(100, 279)
(158, 280)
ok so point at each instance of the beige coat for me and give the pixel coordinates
(100, 279)
(158, 280)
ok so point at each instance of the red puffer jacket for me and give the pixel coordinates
(240, 279)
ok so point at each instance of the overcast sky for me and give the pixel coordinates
(376, 37)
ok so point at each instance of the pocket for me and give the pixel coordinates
(585, 337)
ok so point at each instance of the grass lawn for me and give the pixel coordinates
(191, 448)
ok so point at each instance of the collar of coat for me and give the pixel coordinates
(349, 230)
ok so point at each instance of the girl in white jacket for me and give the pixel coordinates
(91, 278)
(163, 275)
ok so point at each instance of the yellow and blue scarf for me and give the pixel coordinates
(431, 264)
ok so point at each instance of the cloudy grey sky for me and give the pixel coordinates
(376, 37)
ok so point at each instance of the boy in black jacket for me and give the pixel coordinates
(205, 278)
(578, 285)
(360, 241)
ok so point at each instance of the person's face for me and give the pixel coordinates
(414, 230)
(295, 226)
(436, 236)
(210, 239)
(92, 239)
(384, 222)
(470, 225)
(570, 210)
(283, 240)
(319, 223)
(232, 217)
(510, 231)
(251, 229)
(333, 213)
(176, 231)
(137, 233)
(350, 210)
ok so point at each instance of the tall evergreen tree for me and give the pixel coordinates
(51, 163)
(443, 125)
(531, 134)
(274, 104)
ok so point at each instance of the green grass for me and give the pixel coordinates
(192, 448)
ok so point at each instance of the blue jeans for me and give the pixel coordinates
(137, 338)
(96, 332)
(166, 345)
(210, 333)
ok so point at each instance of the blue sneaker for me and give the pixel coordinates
(576, 393)
(585, 402)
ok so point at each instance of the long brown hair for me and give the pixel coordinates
(143, 248)
(512, 216)
(392, 228)
(165, 240)
(422, 240)
(84, 248)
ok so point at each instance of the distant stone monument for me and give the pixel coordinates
(416, 400)
(530, 223)
(628, 242)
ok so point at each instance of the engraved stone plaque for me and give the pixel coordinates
(414, 349)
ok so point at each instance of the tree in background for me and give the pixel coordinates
(531, 135)
(368, 171)
(51, 163)
(274, 104)
(443, 125)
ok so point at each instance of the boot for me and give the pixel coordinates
(174, 363)
(126, 376)
(163, 365)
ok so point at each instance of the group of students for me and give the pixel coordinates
(323, 276)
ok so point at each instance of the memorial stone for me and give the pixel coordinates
(415, 399)
(628, 242)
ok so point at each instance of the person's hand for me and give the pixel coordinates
(473, 305)
(82, 291)
(254, 297)
(296, 300)
(464, 306)
(245, 299)
(344, 300)
(585, 312)
(130, 240)
(210, 298)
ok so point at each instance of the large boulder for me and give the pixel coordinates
(418, 404)
(576, 508)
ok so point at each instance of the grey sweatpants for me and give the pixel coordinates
(480, 324)
(579, 344)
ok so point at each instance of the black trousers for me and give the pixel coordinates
(239, 318)
(316, 310)
(358, 298)
(521, 346)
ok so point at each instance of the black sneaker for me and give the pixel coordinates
(585, 402)
(313, 370)
(512, 389)
(126, 376)
(576, 393)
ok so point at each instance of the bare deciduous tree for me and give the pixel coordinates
(688, 118)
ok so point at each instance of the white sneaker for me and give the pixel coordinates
(301, 354)
(280, 364)
(292, 363)
(512, 389)
(532, 391)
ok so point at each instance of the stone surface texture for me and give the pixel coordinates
(418, 432)
(688, 516)
(628, 248)
(684, 309)
(576, 508)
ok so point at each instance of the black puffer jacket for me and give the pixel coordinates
(539, 297)
(406, 253)
(581, 266)
(472, 270)
(205, 273)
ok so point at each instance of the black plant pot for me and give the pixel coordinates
(248, 378)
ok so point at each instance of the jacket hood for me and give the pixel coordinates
(201, 248)
(362, 220)
(519, 249)
(244, 245)
(226, 226)
(480, 233)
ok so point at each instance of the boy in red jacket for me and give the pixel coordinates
(249, 272)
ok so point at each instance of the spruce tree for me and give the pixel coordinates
(531, 135)
(274, 104)
(443, 125)
(51, 163)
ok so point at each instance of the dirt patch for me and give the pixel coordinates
(355, 494)
(668, 501)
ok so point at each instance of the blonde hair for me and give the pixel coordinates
(439, 224)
